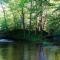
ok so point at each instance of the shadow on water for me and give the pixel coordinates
(28, 51)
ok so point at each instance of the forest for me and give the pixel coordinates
(30, 14)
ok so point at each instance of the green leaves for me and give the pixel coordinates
(21, 3)
(54, 23)
(58, 8)
(32, 10)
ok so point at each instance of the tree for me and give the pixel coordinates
(54, 21)
(5, 21)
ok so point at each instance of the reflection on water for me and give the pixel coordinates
(3, 52)
(25, 51)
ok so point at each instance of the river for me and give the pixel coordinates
(28, 51)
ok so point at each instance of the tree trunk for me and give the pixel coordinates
(6, 26)
(23, 18)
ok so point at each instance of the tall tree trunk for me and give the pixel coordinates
(30, 27)
(23, 21)
(30, 20)
(45, 19)
(41, 16)
(6, 26)
(36, 14)
(23, 18)
(31, 15)
(15, 24)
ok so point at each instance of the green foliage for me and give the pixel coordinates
(54, 21)
(19, 13)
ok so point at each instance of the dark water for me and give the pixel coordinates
(24, 51)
